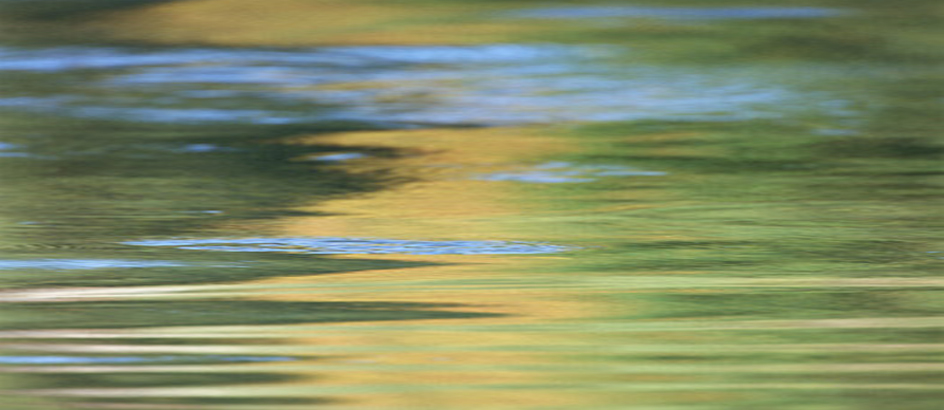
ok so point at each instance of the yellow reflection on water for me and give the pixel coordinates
(555, 332)
(308, 22)
(443, 196)
(440, 197)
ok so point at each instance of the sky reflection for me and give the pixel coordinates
(356, 246)
(483, 85)
(679, 13)
(565, 172)
(57, 360)
(82, 264)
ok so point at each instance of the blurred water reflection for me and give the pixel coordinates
(489, 84)
(280, 205)
(679, 13)
(355, 246)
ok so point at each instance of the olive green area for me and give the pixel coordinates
(219, 313)
(51, 10)
(755, 197)
(136, 170)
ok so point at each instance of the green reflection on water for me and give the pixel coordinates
(757, 197)
(223, 313)
(787, 263)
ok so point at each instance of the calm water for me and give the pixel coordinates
(355, 205)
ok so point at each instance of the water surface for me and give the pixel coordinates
(230, 205)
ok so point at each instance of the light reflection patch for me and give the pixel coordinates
(679, 13)
(83, 264)
(61, 360)
(565, 172)
(356, 246)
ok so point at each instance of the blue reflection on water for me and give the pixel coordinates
(356, 246)
(227, 60)
(565, 172)
(201, 148)
(82, 264)
(490, 85)
(339, 157)
(6, 148)
(126, 359)
(680, 13)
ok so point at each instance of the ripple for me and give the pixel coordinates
(227, 61)
(565, 172)
(339, 157)
(83, 264)
(58, 360)
(502, 84)
(679, 13)
(356, 246)
(6, 148)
